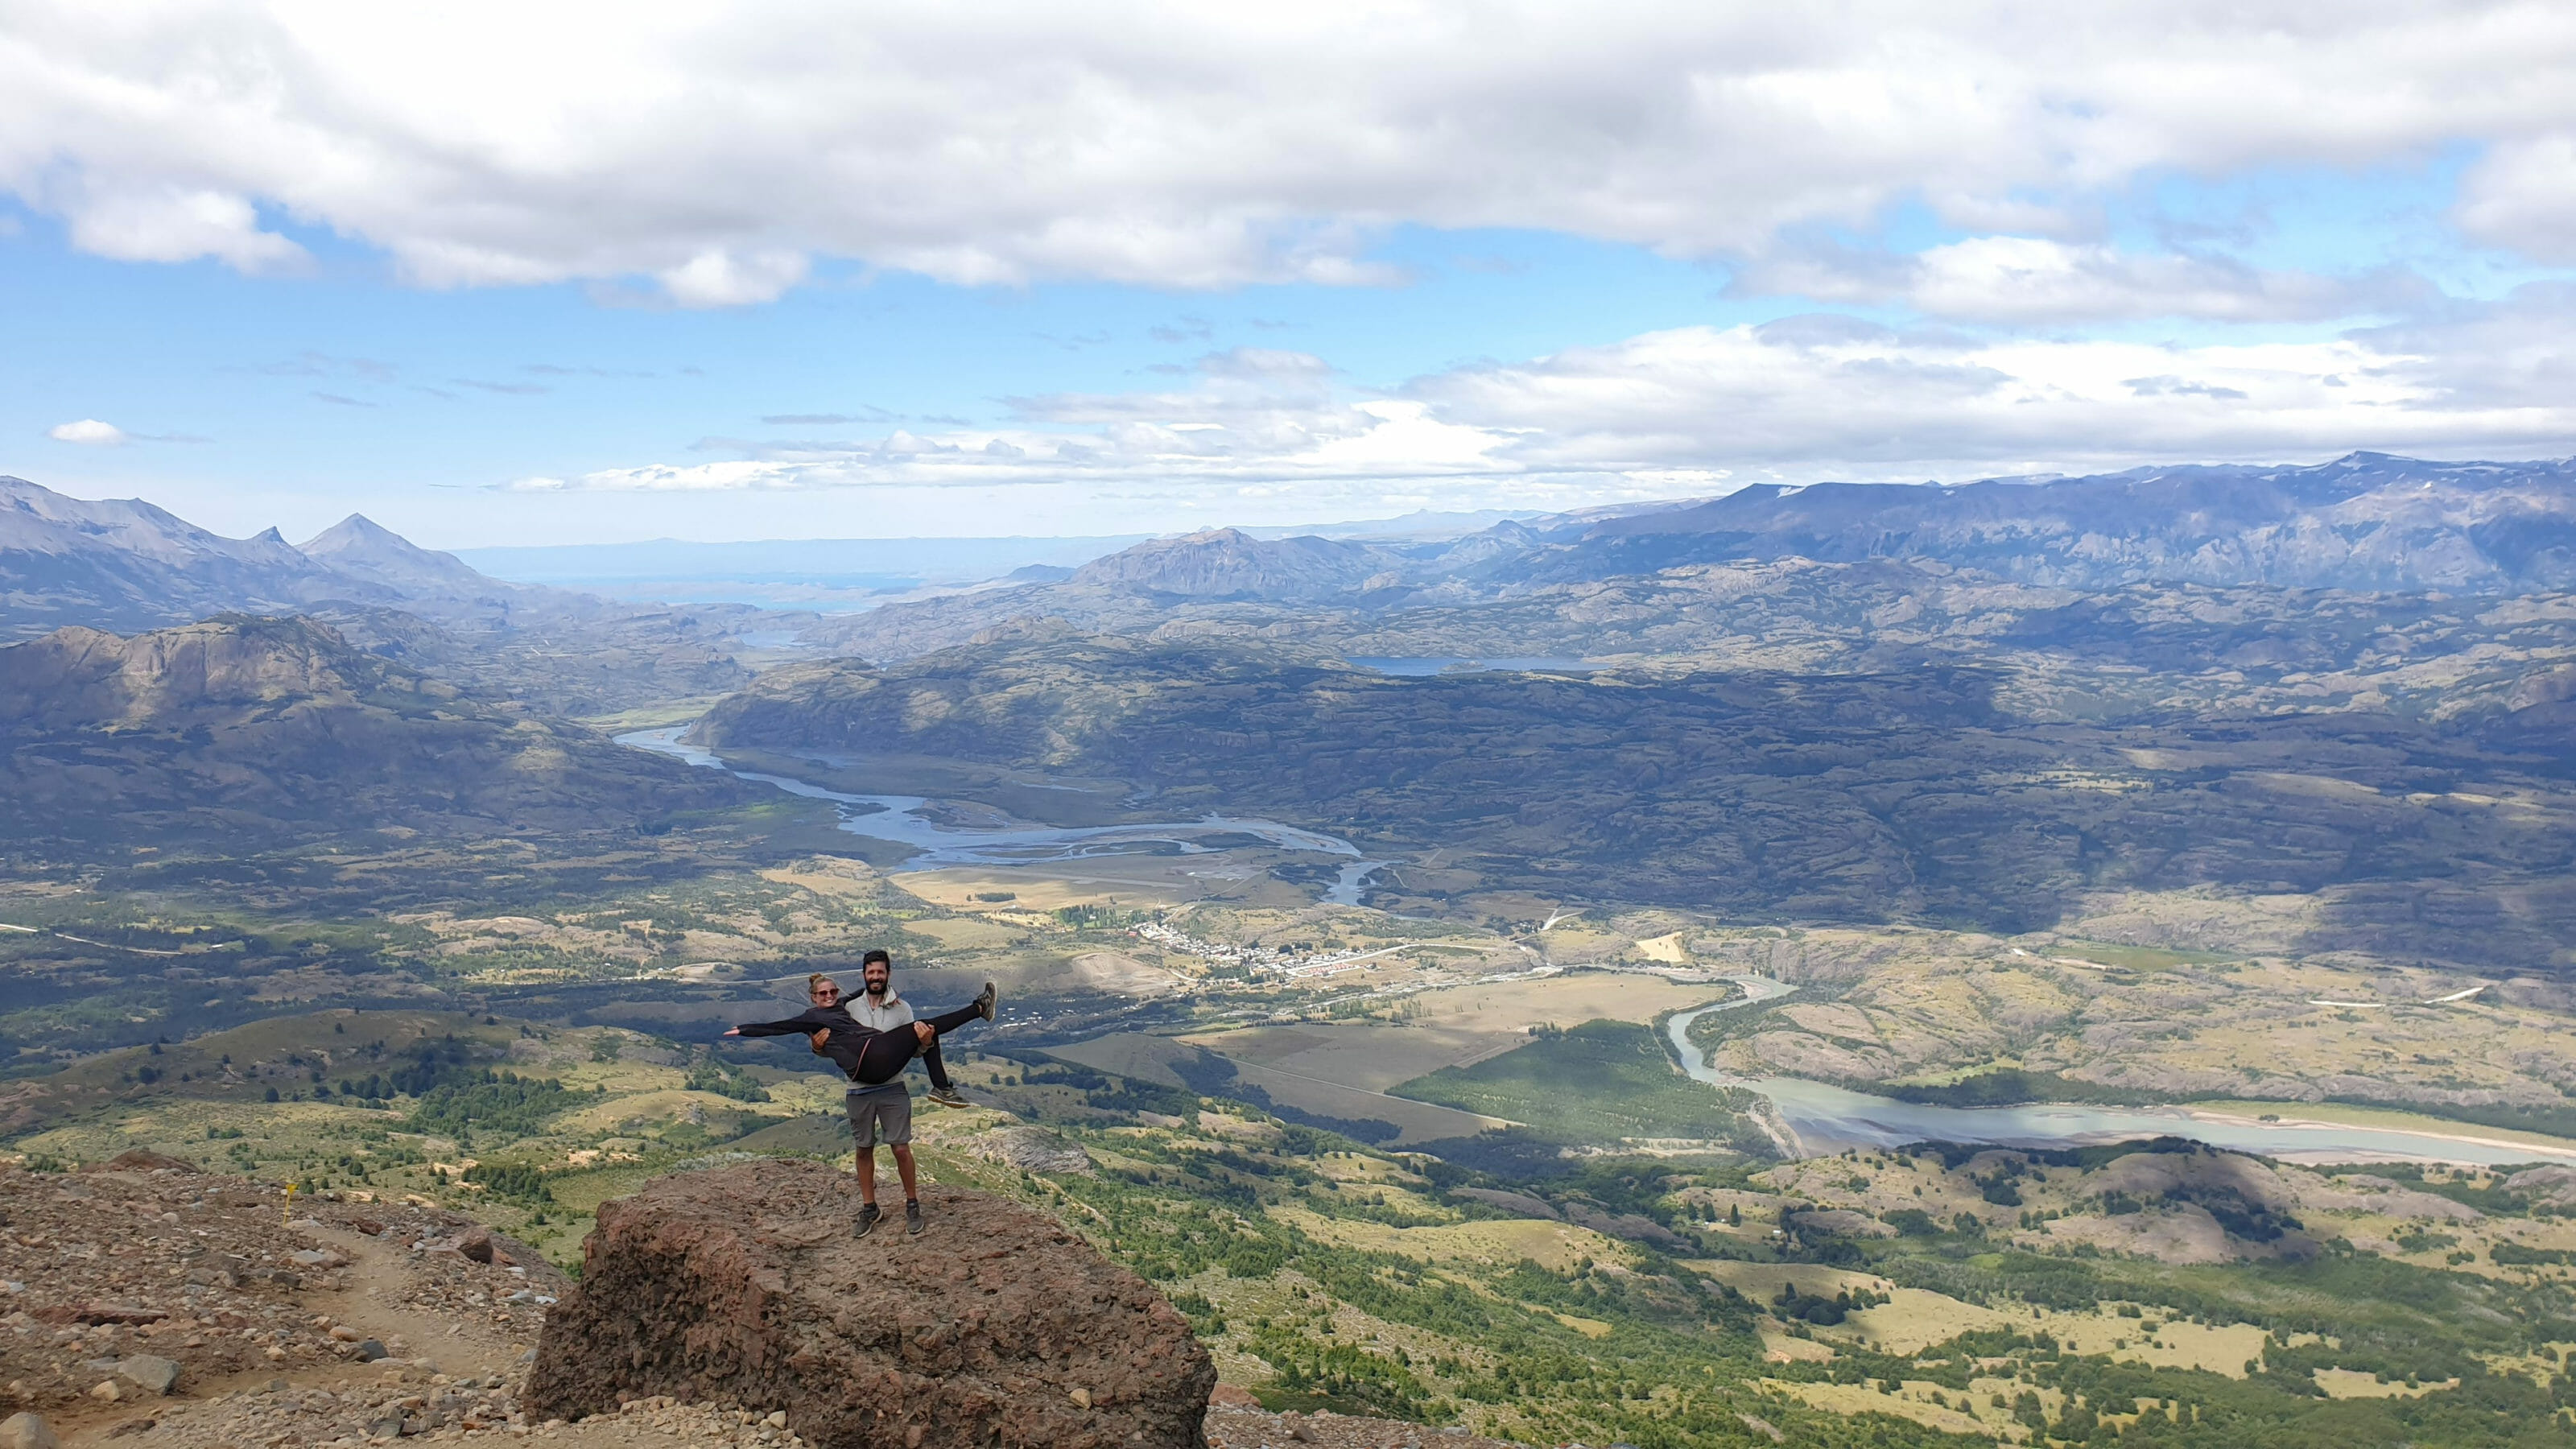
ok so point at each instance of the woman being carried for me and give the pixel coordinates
(863, 1053)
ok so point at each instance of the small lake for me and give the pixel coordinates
(945, 834)
(1828, 1119)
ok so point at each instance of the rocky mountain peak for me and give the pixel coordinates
(358, 545)
(1227, 562)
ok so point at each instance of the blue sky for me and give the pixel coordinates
(796, 272)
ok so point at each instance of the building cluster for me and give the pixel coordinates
(1286, 961)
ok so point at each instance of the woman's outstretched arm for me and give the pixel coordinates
(812, 1019)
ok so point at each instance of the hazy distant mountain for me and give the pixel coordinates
(1420, 526)
(124, 565)
(1221, 570)
(359, 547)
(2368, 522)
(1227, 563)
(252, 731)
(794, 574)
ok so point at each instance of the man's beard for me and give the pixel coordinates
(878, 988)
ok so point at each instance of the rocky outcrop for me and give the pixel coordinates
(742, 1286)
(1838, 1223)
(1022, 1145)
(2550, 1186)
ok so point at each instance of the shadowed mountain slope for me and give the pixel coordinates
(255, 731)
(1864, 796)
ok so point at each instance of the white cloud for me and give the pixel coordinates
(714, 149)
(2015, 279)
(1823, 397)
(88, 430)
(720, 279)
(172, 224)
(2522, 195)
(1677, 410)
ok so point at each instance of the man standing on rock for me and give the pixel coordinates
(873, 1058)
(880, 1009)
(889, 1106)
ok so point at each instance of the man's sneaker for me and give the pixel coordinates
(868, 1216)
(949, 1097)
(912, 1217)
(985, 1003)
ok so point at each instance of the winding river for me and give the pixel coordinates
(997, 839)
(1827, 1119)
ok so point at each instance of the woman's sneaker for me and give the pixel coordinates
(985, 1003)
(949, 1097)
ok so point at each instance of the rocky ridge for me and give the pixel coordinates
(144, 1292)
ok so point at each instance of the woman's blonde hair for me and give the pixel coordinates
(815, 980)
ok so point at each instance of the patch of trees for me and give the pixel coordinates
(1791, 1305)
(712, 1073)
(495, 1102)
(515, 1180)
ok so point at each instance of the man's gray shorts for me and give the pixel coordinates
(881, 1116)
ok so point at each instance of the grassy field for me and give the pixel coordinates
(659, 715)
(1601, 1083)
(1451, 1026)
(1915, 1319)
(2176, 1021)
(1373, 1116)
(977, 889)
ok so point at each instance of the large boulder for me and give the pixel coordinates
(742, 1286)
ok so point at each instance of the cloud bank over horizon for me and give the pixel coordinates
(1700, 409)
(1988, 239)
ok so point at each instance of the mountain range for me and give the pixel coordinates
(124, 565)
(2367, 523)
